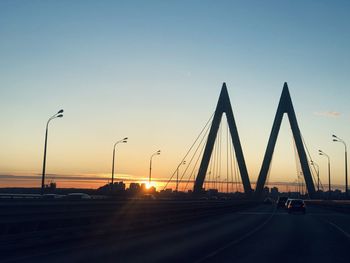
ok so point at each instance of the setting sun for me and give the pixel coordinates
(150, 184)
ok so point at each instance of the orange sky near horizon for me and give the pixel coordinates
(91, 183)
(119, 75)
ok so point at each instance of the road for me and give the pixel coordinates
(259, 234)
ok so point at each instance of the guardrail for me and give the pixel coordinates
(37, 215)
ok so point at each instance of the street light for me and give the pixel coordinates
(337, 139)
(177, 175)
(318, 174)
(150, 166)
(329, 170)
(123, 141)
(57, 115)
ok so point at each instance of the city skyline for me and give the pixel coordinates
(153, 72)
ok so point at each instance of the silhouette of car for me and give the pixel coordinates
(281, 201)
(296, 205)
(287, 202)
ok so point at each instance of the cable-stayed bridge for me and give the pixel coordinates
(216, 159)
(188, 230)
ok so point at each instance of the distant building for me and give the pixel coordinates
(119, 187)
(143, 187)
(116, 188)
(51, 187)
(134, 187)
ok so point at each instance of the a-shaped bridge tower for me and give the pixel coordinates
(285, 106)
(223, 106)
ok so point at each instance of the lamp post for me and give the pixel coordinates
(337, 139)
(150, 166)
(123, 141)
(318, 174)
(57, 115)
(329, 170)
(218, 182)
(177, 175)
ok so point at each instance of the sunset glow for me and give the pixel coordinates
(150, 184)
(160, 90)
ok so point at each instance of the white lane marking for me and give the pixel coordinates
(234, 242)
(260, 213)
(339, 229)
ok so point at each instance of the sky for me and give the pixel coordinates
(152, 71)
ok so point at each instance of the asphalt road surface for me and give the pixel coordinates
(260, 234)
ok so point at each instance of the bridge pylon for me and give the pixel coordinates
(285, 106)
(223, 106)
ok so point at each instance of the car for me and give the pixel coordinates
(296, 205)
(281, 201)
(287, 202)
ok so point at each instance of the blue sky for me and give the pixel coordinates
(152, 71)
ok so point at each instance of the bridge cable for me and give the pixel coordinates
(232, 164)
(227, 159)
(210, 183)
(300, 174)
(215, 163)
(308, 152)
(184, 158)
(195, 165)
(219, 159)
(269, 170)
(200, 143)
